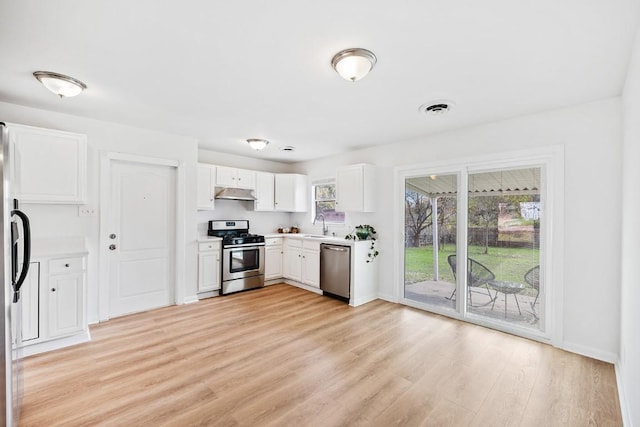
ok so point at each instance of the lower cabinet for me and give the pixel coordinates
(311, 266)
(66, 307)
(273, 258)
(209, 266)
(302, 262)
(53, 302)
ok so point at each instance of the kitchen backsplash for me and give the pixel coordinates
(263, 222)
(259, 222)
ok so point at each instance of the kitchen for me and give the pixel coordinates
(592, 121)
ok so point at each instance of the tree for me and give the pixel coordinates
(483, 211)
(418, 212)
(446, 217)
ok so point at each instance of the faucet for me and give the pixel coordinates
(325, 229)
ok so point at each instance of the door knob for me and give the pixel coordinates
(112, 247)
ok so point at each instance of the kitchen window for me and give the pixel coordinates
(324, 203)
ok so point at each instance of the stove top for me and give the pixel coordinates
(242, 239)
(234, 232)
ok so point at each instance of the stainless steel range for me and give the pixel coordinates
(242, 256)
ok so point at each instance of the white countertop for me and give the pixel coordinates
(62, 246)
(312, 237)
(203, 238)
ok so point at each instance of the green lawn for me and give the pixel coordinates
(506, 263)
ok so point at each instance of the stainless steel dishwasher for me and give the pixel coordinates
(335, 270)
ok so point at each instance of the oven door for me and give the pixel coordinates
(239, 262)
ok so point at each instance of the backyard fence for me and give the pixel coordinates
(476, 237)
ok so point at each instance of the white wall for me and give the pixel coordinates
(629, 365)
(54, 221)
(591, 135)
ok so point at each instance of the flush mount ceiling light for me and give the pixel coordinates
(257, 144)
(60, 84)
(353, 64)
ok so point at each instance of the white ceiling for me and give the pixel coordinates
(223, 72)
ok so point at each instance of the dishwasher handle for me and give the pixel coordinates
(335, 248)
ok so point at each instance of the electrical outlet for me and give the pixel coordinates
(85, 210)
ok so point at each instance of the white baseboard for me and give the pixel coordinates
(190, 299)
(624, 406)
(364, 300)
(593, 353)
(303, 286)
(389, 298)
(55, 344)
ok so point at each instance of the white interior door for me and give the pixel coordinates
(141, 237)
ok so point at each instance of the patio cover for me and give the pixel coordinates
(513, 181)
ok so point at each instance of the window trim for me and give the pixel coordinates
(314, 184)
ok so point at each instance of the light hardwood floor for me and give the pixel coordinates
(282, 356)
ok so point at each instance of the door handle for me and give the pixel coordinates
(26, 257)
(112, 247)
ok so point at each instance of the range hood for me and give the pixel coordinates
(229, 193)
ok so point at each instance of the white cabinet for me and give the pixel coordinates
(273, 257)
(66, 295)
(206, 186)
(291, 193)
(311, 263)
(54, 303)
(49, 166)
(265, 191)
(355, 188)
(236, 178)
(293, 260)
(209, 266)
(30, 297)
(66, 306)
(302, 262)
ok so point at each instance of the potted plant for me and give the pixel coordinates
(365, 232)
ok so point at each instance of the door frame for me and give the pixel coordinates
(551, 159)
(106, 165)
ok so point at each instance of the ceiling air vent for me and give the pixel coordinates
(437, 108)
(288, 148)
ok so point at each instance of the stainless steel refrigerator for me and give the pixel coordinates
(14, 263)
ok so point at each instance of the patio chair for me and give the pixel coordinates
(532, 277)
(478, 276)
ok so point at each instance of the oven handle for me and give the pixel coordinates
(243, 246)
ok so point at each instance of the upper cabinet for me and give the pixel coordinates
(355, 188)
(236, 178)
(291, 192)
(265, 191)
(48, 166)
(206, 186)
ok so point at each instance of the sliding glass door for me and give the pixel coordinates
(430, 224)
(502, 213)
(503, 245)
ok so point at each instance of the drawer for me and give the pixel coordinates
(294, 243)
(66, 265)
(273, 241)
(209, 246)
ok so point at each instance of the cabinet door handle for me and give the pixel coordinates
(66, 265)
(53, 289)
